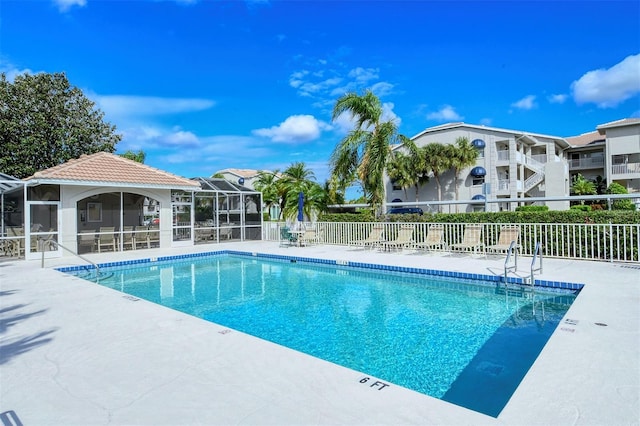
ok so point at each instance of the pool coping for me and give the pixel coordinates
(570, 286)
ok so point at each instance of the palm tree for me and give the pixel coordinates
(364, 150)
(267, 183)
(399, 171)
(437, 160)
(581, 186)
(464, 155)
(295, 179)
(407, 170)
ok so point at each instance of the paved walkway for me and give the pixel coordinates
(76, 353)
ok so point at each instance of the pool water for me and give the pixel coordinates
(462, 341)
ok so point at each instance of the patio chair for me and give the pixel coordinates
(226, 231)
(310, 236)
(150, 237)
(86, 241)
(15, 245)
(106, 238)
(472, 239)
(374, 238)
(204, 234)
(286, 237)
(434, 240)
(507, 235)
(128, 238)
(403, 239)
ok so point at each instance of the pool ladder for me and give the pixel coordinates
(536, 266)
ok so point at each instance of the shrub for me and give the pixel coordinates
(532, 208)
(582, 208)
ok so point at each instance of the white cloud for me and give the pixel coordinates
(127, 106)
(363, 76)
(526, 103)
(486, 121)
(65, 5)
(446, 113)
(609, 87)
(557, 99)
(180, 138)
(297, 128)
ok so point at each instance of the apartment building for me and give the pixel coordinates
(511, 164)
(610, 153)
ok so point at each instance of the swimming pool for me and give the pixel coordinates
(464, 341)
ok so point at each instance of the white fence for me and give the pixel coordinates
(586, 241)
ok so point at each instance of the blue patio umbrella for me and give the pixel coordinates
(300, 206)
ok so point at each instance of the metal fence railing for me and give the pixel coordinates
(586, 241)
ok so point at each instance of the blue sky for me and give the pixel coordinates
(206, 85)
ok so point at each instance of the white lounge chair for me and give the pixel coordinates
(434, 240)
(374, 238)
(403, 239)
(471, 240)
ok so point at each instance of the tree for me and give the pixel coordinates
(135, 156)
(437, 160)
(295, 179)
(464, 155)
(267, 183)
(44, 121)
(407, 170)
(582, 186)
(624, 204)
(364, 151)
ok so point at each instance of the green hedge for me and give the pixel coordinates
(566, 216)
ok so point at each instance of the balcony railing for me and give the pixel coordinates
(585, 241)
(586, 163)
(625, 169)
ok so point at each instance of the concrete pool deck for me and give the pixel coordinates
(75, 353)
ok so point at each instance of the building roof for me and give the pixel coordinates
(103, 168)
(584, 139)
(618, 123)
(245, 173)
(448, 126)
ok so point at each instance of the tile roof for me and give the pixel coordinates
(104, 167)
(585, 139)
(246, 173)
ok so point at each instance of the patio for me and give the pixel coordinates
(76, 353)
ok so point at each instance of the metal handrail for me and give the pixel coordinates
(536, 255)
(512, 248)
(70, 251)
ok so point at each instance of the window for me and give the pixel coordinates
(94, 212)
(477, 181)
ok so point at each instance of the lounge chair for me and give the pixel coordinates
(374, 238)
(507, 235)
(472, 239)
(403, 239)
(106, 238)
(286, 237)
(434, 240)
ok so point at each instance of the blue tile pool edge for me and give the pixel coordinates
(559, 285)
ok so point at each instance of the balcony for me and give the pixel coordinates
(586, 163)
(625, 169)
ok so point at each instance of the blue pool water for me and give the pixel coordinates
(463, 341)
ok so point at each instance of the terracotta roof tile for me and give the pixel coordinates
(110, 168)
